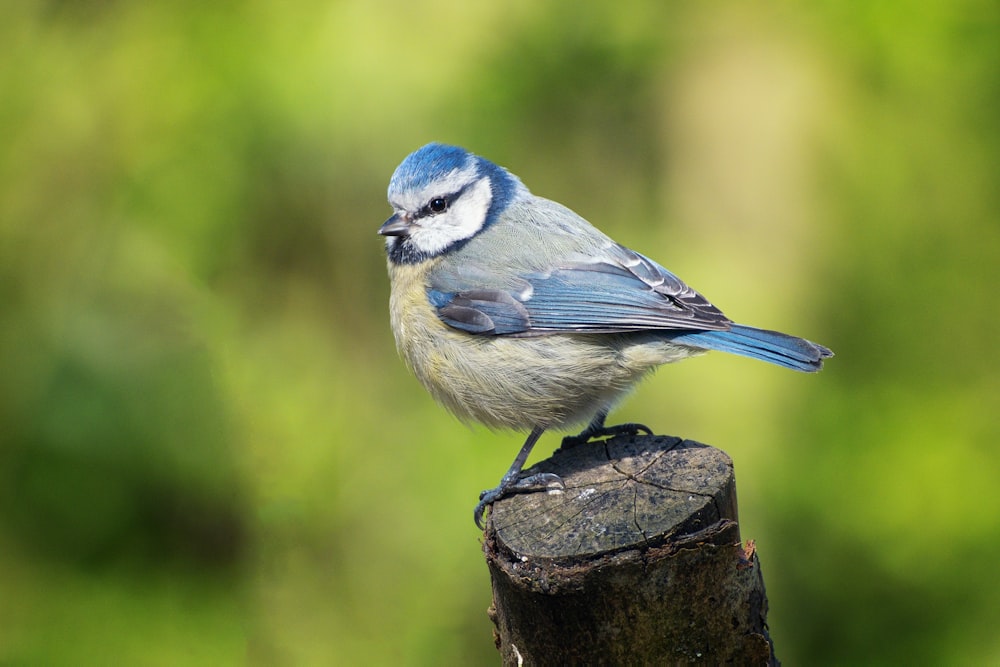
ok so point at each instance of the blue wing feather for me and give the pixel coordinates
(622, 292)
(481, 311)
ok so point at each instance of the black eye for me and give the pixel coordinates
(438, 204)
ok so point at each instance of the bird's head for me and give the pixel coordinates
(442, 197)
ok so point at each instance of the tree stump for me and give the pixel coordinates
(638, 560)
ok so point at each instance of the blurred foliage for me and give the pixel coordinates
(209, 451)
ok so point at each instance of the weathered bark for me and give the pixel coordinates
(638, 560)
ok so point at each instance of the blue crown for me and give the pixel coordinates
(426, 165)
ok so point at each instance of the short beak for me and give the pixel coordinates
(395, 226)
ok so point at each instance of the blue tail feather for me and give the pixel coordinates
(770, 346)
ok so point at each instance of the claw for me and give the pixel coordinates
(511, 482)
(596, 429)
(527, 484)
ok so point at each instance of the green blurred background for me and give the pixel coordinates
(210, 453)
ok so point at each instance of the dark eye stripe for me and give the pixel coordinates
(442, 203)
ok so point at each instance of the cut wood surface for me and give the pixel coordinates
(637, 560)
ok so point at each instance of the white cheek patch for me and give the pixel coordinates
(463, 219)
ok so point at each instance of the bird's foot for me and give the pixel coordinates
(527, 484)
(594, 432)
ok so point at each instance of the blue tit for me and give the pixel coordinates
(515, 312)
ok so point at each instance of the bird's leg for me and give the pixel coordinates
(512, 482)
(597, 429)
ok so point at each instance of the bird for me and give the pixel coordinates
(516, 313)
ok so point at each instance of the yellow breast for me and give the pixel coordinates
(509, 382)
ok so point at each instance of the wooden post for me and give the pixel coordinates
(637, 561)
